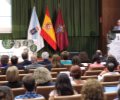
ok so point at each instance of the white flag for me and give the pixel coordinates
(34, 31)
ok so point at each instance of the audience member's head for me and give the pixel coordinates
(84, 57)
(112, 59)
(96, 59)
(92, 90)
(25, 55)
(56, 60)
(6, 93)
(4, 59)
(14, 60)
(110, 66)
(29, 83)
(42, 75)
(12, 74)
(65, 55)
(99, 52)
(75, 72)
(45, 55)
(76, 60)
(63, 85)
(34, 59)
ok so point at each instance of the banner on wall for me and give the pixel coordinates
(16, 47)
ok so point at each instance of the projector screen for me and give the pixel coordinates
(5, 16)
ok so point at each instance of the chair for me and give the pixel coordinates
(71, 97)
(3, 82)
(45, 90)
(92, 72)
(89, 77)
(67, 66)
(58, 69)
(110, 96)
(23, 71)
(78, 87)
(111, 78)
(97, 68)
(18, 91)
(110, 83)
(35, 99)
(54, 74)
(2, 77)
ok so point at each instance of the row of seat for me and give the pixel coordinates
(45, 90)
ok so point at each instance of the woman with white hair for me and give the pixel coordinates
(43, 77)
(45, 61)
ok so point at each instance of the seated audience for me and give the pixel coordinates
(63, 87)
(43, 77)
(84, 57)
(96, 62)
(92, 90)
(6, 93)
(14, 61)
(12, 76)
(4, 61)
(56, 61)
(46, 61)
(34, 63)
(99, 53)
(75, 73)
(110, 71)
(76, 61)
(65, 58)
(113, 60)
(25, 62)
(30, 87)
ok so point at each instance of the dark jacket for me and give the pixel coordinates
(24, 63)
(16, 84)
(47, 63)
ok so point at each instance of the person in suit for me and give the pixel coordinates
(46, 61)
(34, 63)
(14, 61)
(25, 60)
(4, 61)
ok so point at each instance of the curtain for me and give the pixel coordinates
(81, 19)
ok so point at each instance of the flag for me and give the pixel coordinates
(34, 30)
(61, 33)
(47, 31)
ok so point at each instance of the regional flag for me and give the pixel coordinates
(61, 33)
(47, 31)
(34, 30)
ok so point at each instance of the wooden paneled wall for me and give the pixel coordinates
(109, 14)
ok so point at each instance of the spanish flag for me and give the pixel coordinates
(47, 31)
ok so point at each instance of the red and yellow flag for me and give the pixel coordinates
(47, 31)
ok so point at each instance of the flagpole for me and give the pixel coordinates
(58, 3)
(35, 3)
